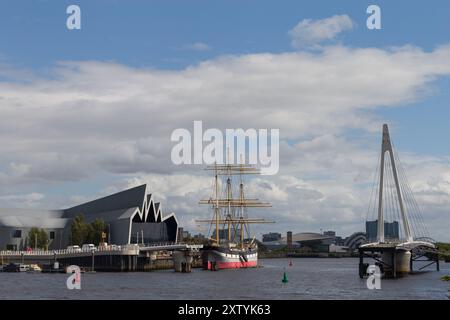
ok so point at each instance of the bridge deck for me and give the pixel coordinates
(125, 250)
(397, 245)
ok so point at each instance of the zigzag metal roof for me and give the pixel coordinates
(122, 205)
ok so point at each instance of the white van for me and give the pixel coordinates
(74, 248)
(88, 247)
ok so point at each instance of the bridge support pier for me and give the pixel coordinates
(411, 265)
(182, 260)
(396, 261)
(362, 266)
(437, 261)
(93, 261)
(391, 261)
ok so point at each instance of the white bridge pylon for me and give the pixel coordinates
(394, 202)
(386, 146)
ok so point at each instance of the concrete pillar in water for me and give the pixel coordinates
(182, 261)
(402, 261)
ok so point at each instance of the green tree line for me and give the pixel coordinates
(37, 238)
(83, 232)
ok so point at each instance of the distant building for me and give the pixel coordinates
(355, 240)
(186, 234)
(199, 236)
(316, 243)
(391, 230)
(329, 233)
(182, 234)
(132, 216)
(337, 249)
(311, 242)
(272, 236)
(223, 234)
(336, 240)
(289, 240)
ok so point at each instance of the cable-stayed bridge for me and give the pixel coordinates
(396, 232)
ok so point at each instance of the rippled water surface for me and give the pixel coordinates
(308, 279)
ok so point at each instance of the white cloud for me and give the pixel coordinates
(25, 200)
(312, 32)
(96, 119)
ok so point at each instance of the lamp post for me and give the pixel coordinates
(93, 259)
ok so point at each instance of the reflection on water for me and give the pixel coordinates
(309, 278)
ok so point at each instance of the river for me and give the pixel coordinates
(309, 278)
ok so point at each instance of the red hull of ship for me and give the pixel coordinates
(233, 265)
(222, 258)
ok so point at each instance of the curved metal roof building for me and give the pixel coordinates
(132, 216)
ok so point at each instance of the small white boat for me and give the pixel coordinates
(24, 267)
(34, 268)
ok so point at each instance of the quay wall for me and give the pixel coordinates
(101, 261)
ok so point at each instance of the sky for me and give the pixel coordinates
(84, 113)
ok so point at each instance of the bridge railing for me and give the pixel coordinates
(157, 244)
(110, 248)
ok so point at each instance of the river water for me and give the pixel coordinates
(309, 278)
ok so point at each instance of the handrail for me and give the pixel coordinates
(112, 248)
(109, 248)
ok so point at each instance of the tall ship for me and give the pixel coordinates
(231, 245)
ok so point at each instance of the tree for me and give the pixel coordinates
(37, 238)
(97, 228)
(79, 230)
(83, 232)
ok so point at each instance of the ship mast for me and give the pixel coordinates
(233, 208)
(217, 209)
(229, 198)
(241, 197)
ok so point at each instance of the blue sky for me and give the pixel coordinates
(153, 36)
(151, 33)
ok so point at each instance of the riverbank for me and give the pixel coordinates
(283, 255)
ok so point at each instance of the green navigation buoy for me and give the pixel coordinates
(285, 278)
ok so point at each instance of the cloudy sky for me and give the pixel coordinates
(88, 112)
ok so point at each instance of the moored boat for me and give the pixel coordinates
(15, 267)
(34, 268)
(220, 257)
(228, 247)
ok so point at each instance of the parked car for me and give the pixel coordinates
(103, 245)
(74, 248)
(114, 247)
(88, 247)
